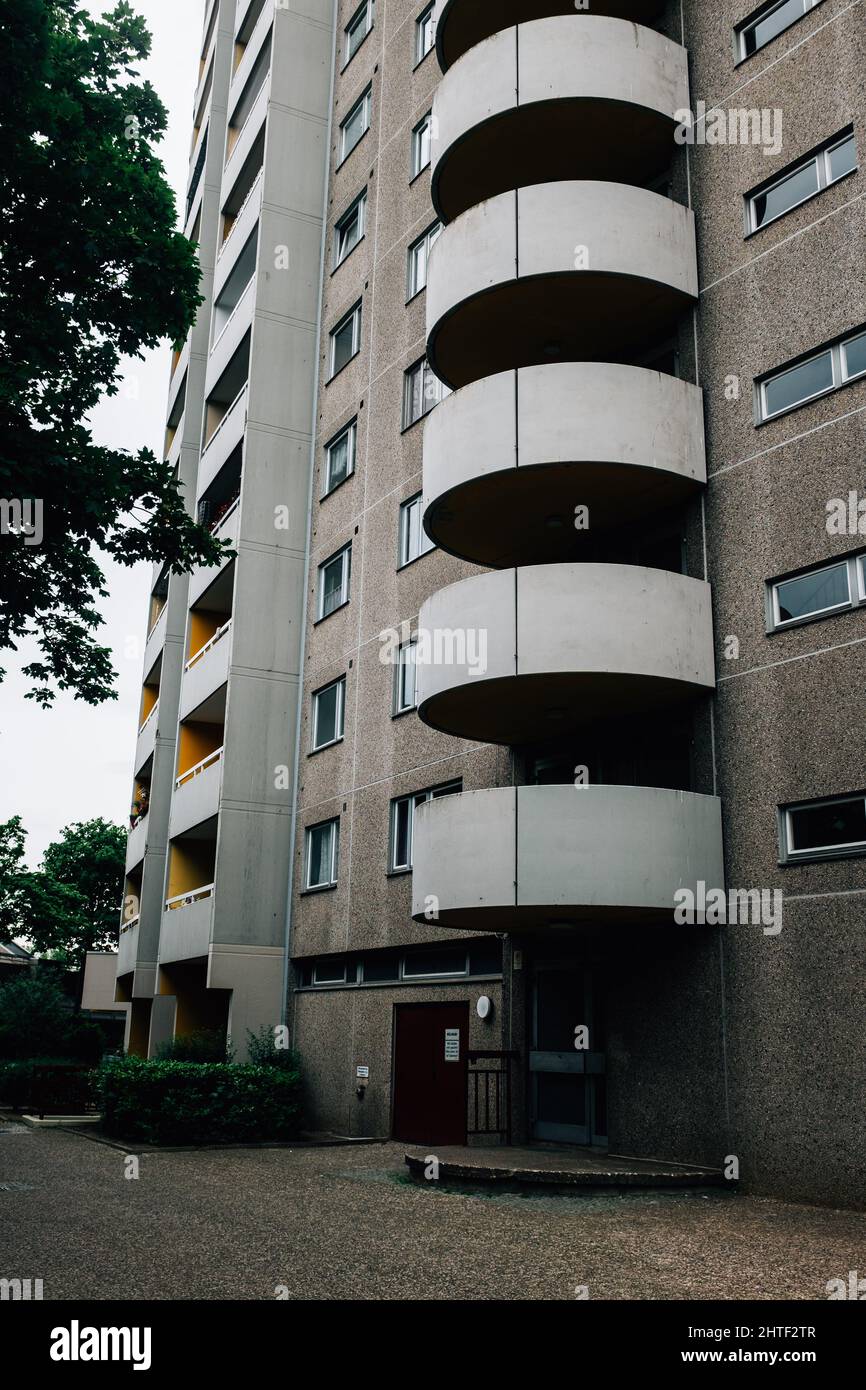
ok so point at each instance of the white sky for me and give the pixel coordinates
(74, 762)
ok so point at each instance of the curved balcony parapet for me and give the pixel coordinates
(516, 858)
(575, 96)
(461, 24)
(572, 271)
(512, 656)
(525, 449)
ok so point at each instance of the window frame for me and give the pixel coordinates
(399, 666)
(428, 13)
(365, 10)
(365, 103)
(344, 555)
(334, 823)
(359, 206)
(856, 577)
(433, 231)
(353, 317)
(425, 124)
(824, 176)
(350, 430)
(340, 720)
(837, 351)
(422, 366)
(413, 799)
(426, 545)
(788, 856)
(741, 54)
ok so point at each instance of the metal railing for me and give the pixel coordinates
(488, 1094)
(210, 441)
(193, 896)
(200, 766)
(154, 707)
(220, 633)
(237, 217)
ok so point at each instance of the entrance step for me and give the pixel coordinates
(574, 1168)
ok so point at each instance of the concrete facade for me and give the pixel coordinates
(518, 215)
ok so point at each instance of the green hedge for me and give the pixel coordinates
(164, 1102)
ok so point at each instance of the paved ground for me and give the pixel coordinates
(557, 1165)
(347, 1223)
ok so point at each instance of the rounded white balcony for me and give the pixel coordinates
(509, 459)
(512, 656)
(570, 271)
(461, 24)
(577, 96)
(516, 858)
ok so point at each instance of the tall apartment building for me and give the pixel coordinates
(544, 405)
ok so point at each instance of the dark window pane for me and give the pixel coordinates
(485, 959)
(813, 593)
(775, 23)
(402, 812)
(855, 355)
(843, 158)
(381, 969)
(344, 344)
(799, 383)
(827, 827)
(439, 962)
(327, 715)
(561, 1098)
(329, 972)
(793, 190)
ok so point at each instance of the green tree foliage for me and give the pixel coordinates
(91, 268)
(11, 866)
(71, 904)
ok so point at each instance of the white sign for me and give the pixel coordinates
(452, 1044)
(362, 1072)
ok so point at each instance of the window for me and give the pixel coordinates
(349, 229)
(404, 678)
(356, 124)
(825, 371)
(329, 972)
(414, 540)
(802, 182)
(358, 28)
(830, 829)
(390, 967)
(322, 853)
(422, 390)
(329, 706)
(444, 960)
(334, 581)
(402, 811)
(421, 144)
(419, 253)
(345, 340)
(340, 457)
(425, 33)
(770, 21)
(817, 592)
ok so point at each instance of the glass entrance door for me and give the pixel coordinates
(566, 1063)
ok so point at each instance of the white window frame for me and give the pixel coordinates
(359, 206)
(453, 788)
(409, 974)
(424, 542)
(340, 721)
(424, 126)
(841, 376)
(344, 557)
(362, 15)
(363, 104)
(400, 666)
(354, 318)
(854, 565)
(427, 16)
(414, 285)
(335, 854)
(429, 399)
(789, 855)
(322, 962)
(824, 178)
(349, 432)
(741, 30)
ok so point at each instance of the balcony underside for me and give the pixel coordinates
(525, 858)
(461, 24)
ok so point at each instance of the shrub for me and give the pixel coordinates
(169, 1102)
(204, 1045)
(15, 1082)
(34, 1017)
(263, 1050)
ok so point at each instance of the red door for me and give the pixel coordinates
(430, 1073)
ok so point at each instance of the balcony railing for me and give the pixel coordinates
(199, 767)
(193, 896)
(223, 420)
(221, 520)
(228, 236)
(154, 707)
(133, 922)
(220, 633)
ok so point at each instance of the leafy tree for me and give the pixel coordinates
(71, 904)
(91, 267)
(34, 1016)
(11, 857)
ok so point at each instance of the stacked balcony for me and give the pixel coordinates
(557, 280)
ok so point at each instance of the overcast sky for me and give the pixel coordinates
(74, 762)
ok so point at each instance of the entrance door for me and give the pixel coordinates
(567, 1081)
(430, 1043)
